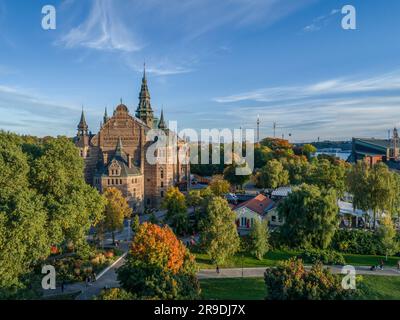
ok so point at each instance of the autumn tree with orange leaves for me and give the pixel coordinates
(159, 266)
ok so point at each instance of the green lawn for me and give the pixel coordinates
(233, 289)
(273, 257)
(369, 260)
(378, 288)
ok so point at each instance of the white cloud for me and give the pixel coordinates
(330, 109)
(25, 111)
(321, 21)
(382, 83)
(103, 30)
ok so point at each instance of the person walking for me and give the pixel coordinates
(381, 264)
(217, 269)
(62, 286)
(398, 264)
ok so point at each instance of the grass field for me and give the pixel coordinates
(273, 257)
(378, 288)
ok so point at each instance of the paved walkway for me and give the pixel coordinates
(259, 272)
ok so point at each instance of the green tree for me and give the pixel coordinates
(175, 204)
(310, 215)
(153, 218)
(387, 236)
(232, 176)
(194, 199)
(325, 174)
(135, 223)
(116, 210)
(261, 156)
(72, 206)
(309, 150)
(219, 234)
(357, 185)
(24, 237)
(298, 168)
(380, 186)
(373, 188)
(259, 239)
(219, 186)
(272, 175)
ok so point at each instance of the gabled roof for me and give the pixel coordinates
(258, 204)
(281, 192)
(121, 158)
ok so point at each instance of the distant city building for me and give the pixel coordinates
(377, 150)
(116, 155)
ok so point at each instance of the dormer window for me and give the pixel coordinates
(114, 170)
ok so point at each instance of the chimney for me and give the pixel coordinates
(129, 161)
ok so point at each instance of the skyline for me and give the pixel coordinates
(207, 62)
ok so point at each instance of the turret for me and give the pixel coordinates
(161, 123)
(144, 111)
(82, 126)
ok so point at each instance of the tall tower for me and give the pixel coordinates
(258, 128)
(82, 126)
(144, 111)
(395, 144)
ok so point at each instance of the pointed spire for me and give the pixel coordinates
(119, 148)
(105, 118)
(82, 126)
(144, 111)
(161, 123)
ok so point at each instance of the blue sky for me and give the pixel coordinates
(211, 64)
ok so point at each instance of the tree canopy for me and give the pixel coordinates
(310, 215)
(219, 234)
(159, 266)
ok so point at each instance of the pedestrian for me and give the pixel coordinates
(62, 286)
(87, 281)
(398, 264)
(217, 269)
(381, 264)
(94, 276)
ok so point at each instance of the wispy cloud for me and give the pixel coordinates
(346, 107)
(103, 30)
(321, 21)
(174, 32)
(27, 112)
(385, 82)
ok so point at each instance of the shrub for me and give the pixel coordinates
(115, 294)
(324, 256)
(290, 281)
(356, 242)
